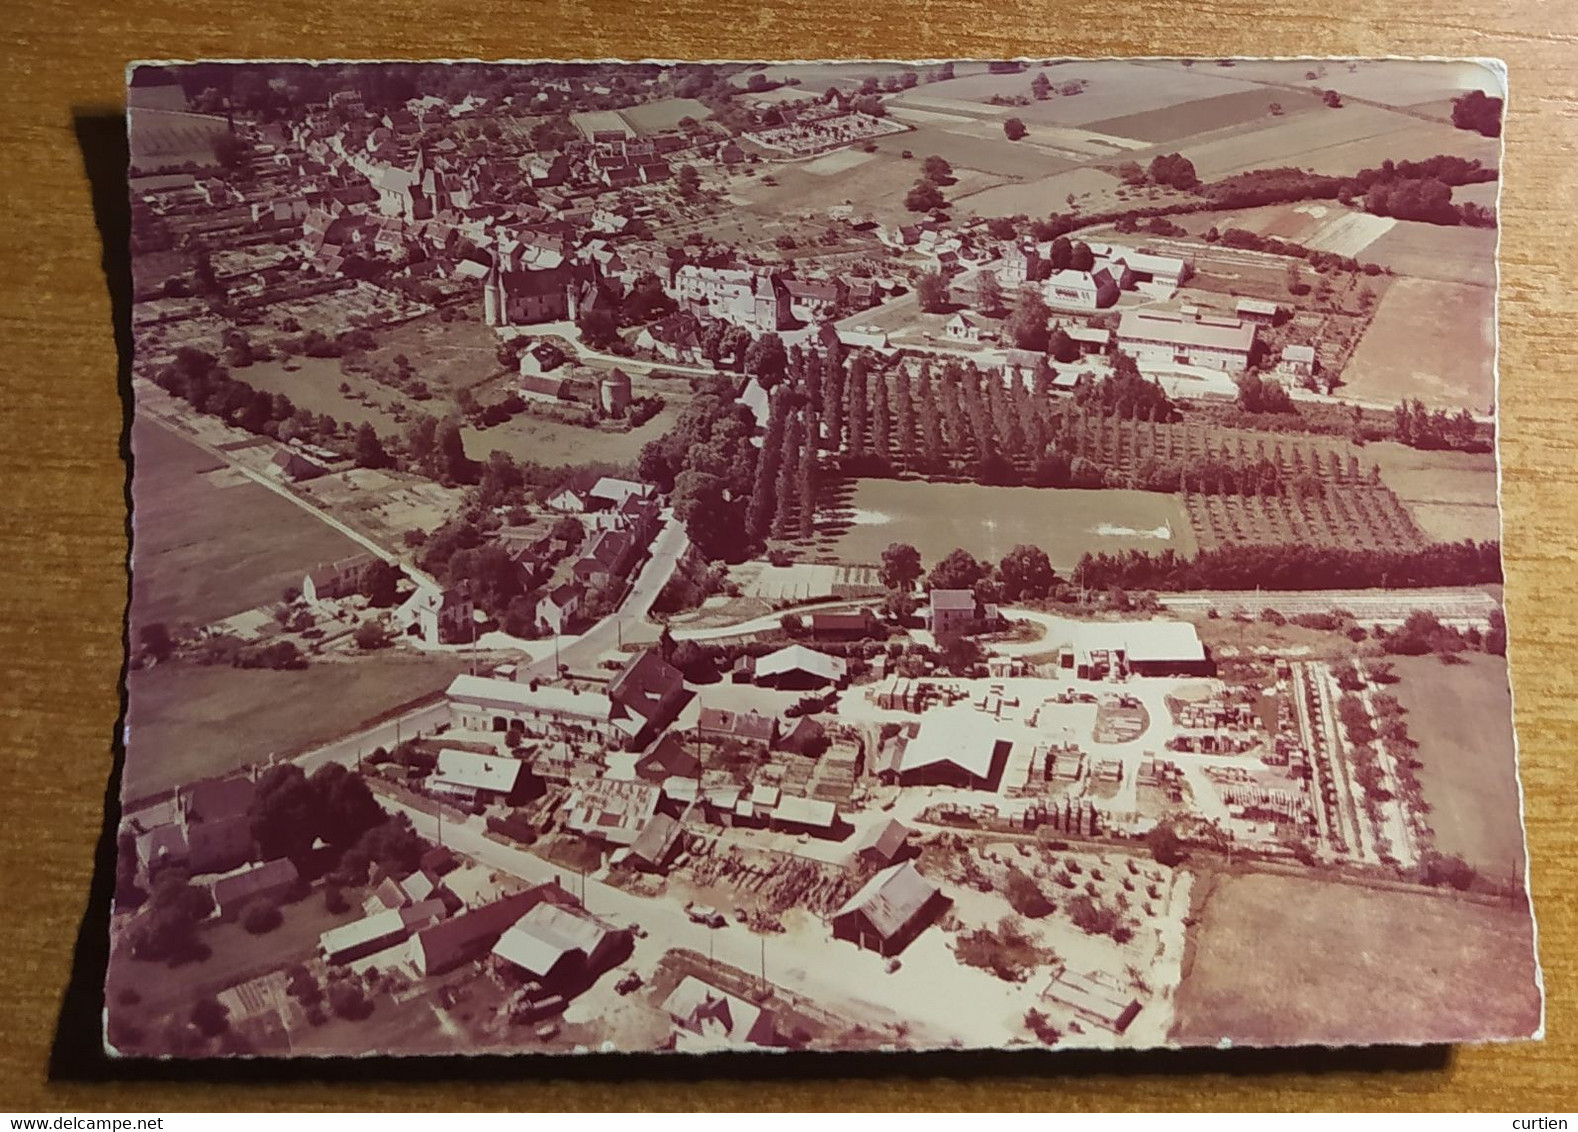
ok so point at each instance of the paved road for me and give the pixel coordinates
(764, 624)
(836, 975)
(630, 620)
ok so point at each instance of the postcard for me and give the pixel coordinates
(816, 556)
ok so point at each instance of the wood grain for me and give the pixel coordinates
(64, 537)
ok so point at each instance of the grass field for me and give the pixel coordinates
(190, 721)
(555, 443)
(970, 144)
(449, 356)
(1394, 82)
(1431, 251)
(664, 114)
(1043, 195)
(991, 521)
(1460, 715)
(208, 543)
(314, 383)
(162, 138)
(1430, 340)
(1275, 960)
(1451, 495)
(1338, 142)
(1185, 120)
(1114, 90)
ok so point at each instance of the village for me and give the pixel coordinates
(648, 601)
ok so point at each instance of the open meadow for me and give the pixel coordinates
(1280, 959)
(990, 521)
(1222, 111)
(1451, 255)
(208, 542)
(190, 721)
(1461, 717)
(1430, 340)
(1451, 495)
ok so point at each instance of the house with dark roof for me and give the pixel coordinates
(266, 881)
(559, 947)
(883, 843)
(646, 696)
(741, 726)
(471, 935)
(890, 910)
(670, 757)
(557, 609)
(334, 579)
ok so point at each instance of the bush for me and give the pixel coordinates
(262, 918)
(347, 1000)
(334, 901)
(1025, 897)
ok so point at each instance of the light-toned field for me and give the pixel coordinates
(815, 78)
(207, 542)
(1337, 142)
(875, 185)
(1041, 196)
(969, 143)
(1325, 225)
(1392, 82)
(990, 521)
(1115, 90)
(1461, 717)
(447, 355)
(187, 722)
(1221, 111)
(314, 383)
(1430, 340)
(1275, 960)
(556, 444)
(173, 137)
(1432, 251)
(1451, 495)
(664, 114)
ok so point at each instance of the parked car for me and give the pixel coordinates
(705, 914)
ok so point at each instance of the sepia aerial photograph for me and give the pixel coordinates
(824, 556)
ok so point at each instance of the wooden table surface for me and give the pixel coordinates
(63, 541)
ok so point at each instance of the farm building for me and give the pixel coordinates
(1095, 997)
(471, 935)
(611, 492)
(837, 625)
(658, 844)
(668, 758)
(435, 615)
(706, 1018)
(1296, 361)
(951, 614)
(610, 810)
(374, 933)
(334, 579)
(1081, 290)
(557, 608)
(1258, 310)
(293, 467)
(1164, 338)
(967, 326)
(883, 842)
(561, 947)
(480, 703)
(645, 697)
(266, 881)
(206, 829)
(948, 749)
(796, 666)
(889, 911)
(1141, 648)
(542, 387)
(743, 726)
(469, 777)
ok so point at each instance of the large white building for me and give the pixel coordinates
(1165, 338)
(479, 703)
(755, 300)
